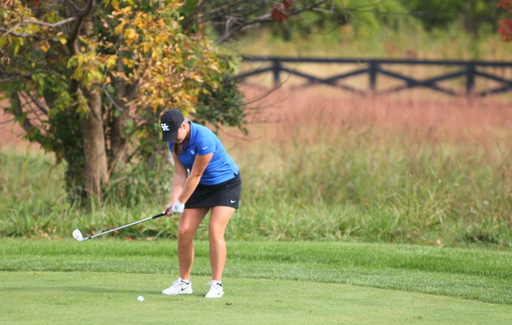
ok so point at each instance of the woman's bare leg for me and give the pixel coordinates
(189, 222)
(218, 221)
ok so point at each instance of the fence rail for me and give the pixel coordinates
(467, 69)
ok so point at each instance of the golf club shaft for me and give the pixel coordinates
(131, 224)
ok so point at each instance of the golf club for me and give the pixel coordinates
(78, 235)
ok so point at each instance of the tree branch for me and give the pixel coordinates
(16, 26)
(34, 22)
(73, 4)
(10, 30)
(18, 112)
(73, 35)
(47, 24)
(71, 41)
(139, 149)
(220, 8)
(122, 110)
(5, 122)
(190, 19)
(32, 108)
(16, 76)
(38, 104)
(266, 18)
(116, 158)
(28, 35)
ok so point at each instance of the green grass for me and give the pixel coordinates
(350, 188)
(309, 197)
(110, 298)
(407, 40)
(482, 275)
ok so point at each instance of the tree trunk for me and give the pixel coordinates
(18, 112)
(118, 143)
(91, 127)
(93, 135)
(118, 139)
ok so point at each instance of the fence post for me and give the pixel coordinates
(470, 78)
(276, 70)
(373, 69)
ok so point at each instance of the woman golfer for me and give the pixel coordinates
(213, 183)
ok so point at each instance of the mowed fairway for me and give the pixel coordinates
(98, 282)
(110, 298)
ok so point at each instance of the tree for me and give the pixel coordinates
(87, 79)
(230, 18)
(84, 77)
(506, 24)
(474, 14)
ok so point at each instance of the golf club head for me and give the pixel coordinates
(78, 235)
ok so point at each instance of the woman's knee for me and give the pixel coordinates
(189, 221)
(186, 234)
(219, 221)
(216, 231)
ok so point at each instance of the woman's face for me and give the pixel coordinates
(182, 133)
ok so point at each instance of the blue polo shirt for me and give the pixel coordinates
(202, 142)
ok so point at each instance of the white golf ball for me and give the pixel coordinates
(140, 298)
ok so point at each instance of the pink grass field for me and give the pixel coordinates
(419, 117)
(305, 114)
(11, 135)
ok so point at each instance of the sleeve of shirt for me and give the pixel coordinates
(205, 146)
(171, 144)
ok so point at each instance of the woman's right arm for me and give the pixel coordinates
(180, 176)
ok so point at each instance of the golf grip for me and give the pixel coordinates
(131, 224)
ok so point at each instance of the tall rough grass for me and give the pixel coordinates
(33, 201)
(323, 167)
(383, 169)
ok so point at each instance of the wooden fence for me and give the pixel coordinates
(373, 68)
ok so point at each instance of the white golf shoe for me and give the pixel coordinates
(179, 287)
(216, 290)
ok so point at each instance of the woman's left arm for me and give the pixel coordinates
(200, 163)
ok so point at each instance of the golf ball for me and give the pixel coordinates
(140, 298)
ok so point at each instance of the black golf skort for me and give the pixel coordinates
(223, 194)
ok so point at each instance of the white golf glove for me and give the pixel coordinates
(177, 207)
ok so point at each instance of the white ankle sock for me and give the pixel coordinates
(217, 282)
(183, 280)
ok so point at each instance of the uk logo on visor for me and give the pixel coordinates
(165, 127)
